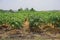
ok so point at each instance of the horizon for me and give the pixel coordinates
(39, 5)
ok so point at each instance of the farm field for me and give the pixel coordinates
(30, 25)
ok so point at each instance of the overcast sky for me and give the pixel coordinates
(36, 4)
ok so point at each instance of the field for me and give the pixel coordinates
(35, 22)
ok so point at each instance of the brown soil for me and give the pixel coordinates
(46, 32)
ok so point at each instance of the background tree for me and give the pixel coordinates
(20, 9)
(11, 10)
(32, 9)
(26, 9)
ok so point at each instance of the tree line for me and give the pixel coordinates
(20, 9)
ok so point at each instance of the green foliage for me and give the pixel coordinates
(35, 21)
(16, 24)
(35, 17)
(56, 20)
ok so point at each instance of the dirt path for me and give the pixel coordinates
(18, 35)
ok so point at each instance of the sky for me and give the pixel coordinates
(36, 4)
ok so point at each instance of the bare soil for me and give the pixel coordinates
(18, 34)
